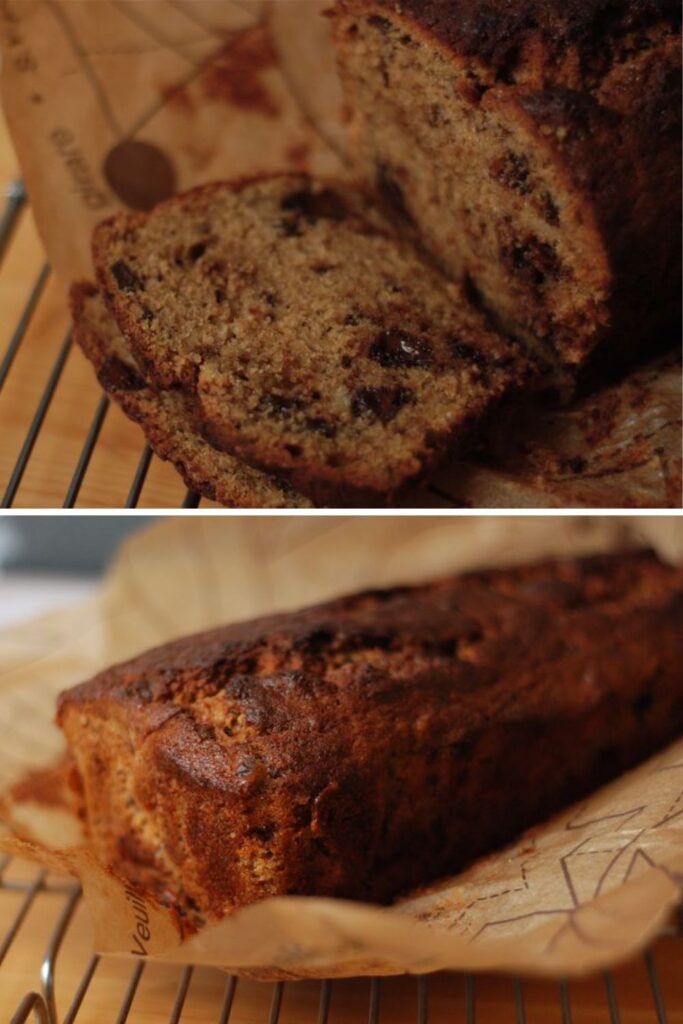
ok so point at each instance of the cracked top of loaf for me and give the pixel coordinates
(555, 40)
(378, 638)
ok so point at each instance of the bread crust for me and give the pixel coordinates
(368, 745)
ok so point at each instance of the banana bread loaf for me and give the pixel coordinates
(534, 149)
(167, 417)
(365, 746)
(319, 346)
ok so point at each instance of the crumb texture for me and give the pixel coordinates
(534, 149)
(316, 343)
(167, 418)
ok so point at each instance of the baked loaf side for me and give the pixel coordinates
(317, 343)
(366, 746)
(167, 417)
(534, 149)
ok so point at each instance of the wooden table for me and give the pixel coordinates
(76, 398)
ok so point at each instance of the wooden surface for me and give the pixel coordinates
(76, 398)
(494, 996)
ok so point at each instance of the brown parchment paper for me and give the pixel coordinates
(116, 104)
(574, 895)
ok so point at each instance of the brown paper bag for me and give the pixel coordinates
(576, 894)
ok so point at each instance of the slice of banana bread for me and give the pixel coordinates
(319, 345)
(363, 747)
(534, 149)
(166, 417)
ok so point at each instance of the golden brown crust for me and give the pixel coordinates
(365, 746)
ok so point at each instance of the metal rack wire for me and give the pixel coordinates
(15, 201)
(40, 1002)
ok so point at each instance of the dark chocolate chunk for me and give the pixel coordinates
(469, 353)
(512, 170)
(397, 349)
(391, 192)
(324, 205)
(532, 261)
(196, 251)
(290, 228)
(321, 426)
(115, 375)
(280, 406)
(146, 314)
(126, 278)
(550, 210)
(383, 24)
(381, 403)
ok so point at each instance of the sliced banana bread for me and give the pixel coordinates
(366, 746)
(534, 148)
(319, 345)
(166, 417)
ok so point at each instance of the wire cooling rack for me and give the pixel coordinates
(35, 382)
(48, 974)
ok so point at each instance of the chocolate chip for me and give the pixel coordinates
(322, 268)
(391, 192)
(146, 314)
(512, 170)
(382, 403)
(126, 278)
(219, 295)
(290, 228)
(196, 251)
(532, 261)
(469, 353)
(346, 362)
(550, 210)
(119, 376)
(270, 298)
(321, 426)
(324, 205)
(294, 450)
(396, 349)
(383, 24)
(352, 319)
(280, 406)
